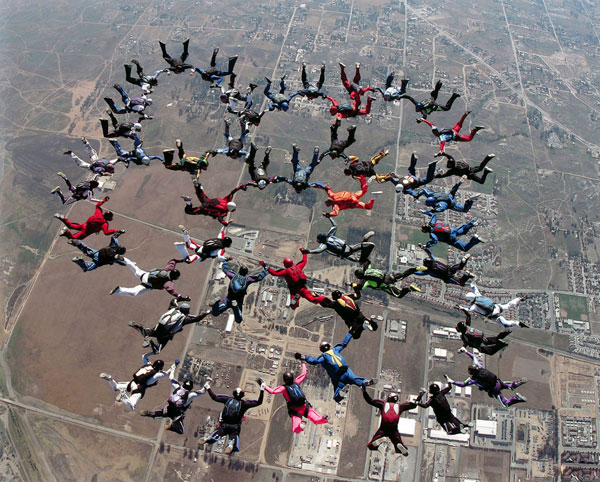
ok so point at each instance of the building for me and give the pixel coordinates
(486, 428)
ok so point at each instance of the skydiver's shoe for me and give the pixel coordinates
(351, 128)
(183, 230)
(342, 66)
(114, 290)
(73, 242)
(415, 288)
(519, 382)
(230, 447)
(145, 413)
(63, 231)
(55, 190)
(419, 120)
(316, 151)
(105, 376)
(252, 87)
(402, 449)
(295, 148)
(117, 86)
(382, 177)
(178, 143)
(520, 398)
(68, 153)
(268, 80)
(227, 122)
(168, 426)
(368, 235)
(187, 199)
(479, 238)
(488, 170)
(283, 77)
(465, 258)
(371, 98)
(473, 198)
(523, 325)
(478, 128)
(462, 349)
(268, 150)
(77, 259)
(61, 174)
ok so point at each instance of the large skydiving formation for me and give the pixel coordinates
(240, 276)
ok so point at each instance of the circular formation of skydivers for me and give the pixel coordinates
(346, 305)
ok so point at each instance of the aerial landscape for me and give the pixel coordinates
(445, 272)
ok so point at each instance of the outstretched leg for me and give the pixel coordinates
(165, 55)
(185, 53)
(213, 59)
(436, 90)
(458, 126)
(321, 77)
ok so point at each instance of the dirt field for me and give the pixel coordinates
(490, 466)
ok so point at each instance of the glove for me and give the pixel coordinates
(183, 298)
(206, 385)
(303, 250)
(298, 356)
(448, 379)
(260, 382)
(262, 263)
(188, 260)
(106, 198)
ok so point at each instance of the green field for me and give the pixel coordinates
(575, 306)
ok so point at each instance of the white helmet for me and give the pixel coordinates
(137, 126)
(399, 187)
(470, 296)
(149, 101)
(146, 160)
(231, 206)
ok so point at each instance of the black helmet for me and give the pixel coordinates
(121, 249)
(434, 389)
(238, 393)
(359, 273)
(325, 346)
(461, 327)
(158, 364)
(321, 237)
(288, 378)
(188, 384)
(426, 228)
(473, 370)
(174, 274)
(227, 241)
(336, 295)
(108, 215)
(184, 308)
(428, 262)
(243, 270)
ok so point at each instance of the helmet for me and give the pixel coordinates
(238, 393)
(108, 215)
(288, 378)
(121, 249)
(285, 106)
(137, 126)
(188, 384)
(262, 184)
(231, 206)
(329, 202)
(407, 180)
(321, 237)
(93, 184)
(387, 96)
(223, 98)
(149, 101)
(359, 273)
(158, 364)
(473, 369)
(174, 274)
(419, 107)
(430, 201)
(333, 110)
(243, 270)
(288, 262)
(425, 228)
(146, 160)
(399, 187)
(203, 164)
(470, 296)
(184, 308)
(336, 295)
(392, 397)
(325, 346)
(227, 241)
(334, 153)
(347, 171)
(461, 327)
(354, 158)
(427, 262)
(434, 388)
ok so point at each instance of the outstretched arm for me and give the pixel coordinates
(344, 343)
(300, 378)
(333, 228)
(374, 402)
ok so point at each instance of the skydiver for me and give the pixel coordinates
(379, 279)
(155, 279)
(443, 232)
(239, 283)
(490, 309)
(441, 408)
(392, 93)
(461, 168)
(135, 105)
(355, 167)
(439, 201)
(231, 94)
(214, 75)
(296, 281)
(436, 269)
(82, 190)
(310, 91)
(145, 377)
(354, 88)
(329, 242)
(407, 184)
(123, 129)
(336, 367)
(94, 224)
(279, 101)
(258, 175)
(97, 165)
(169, 324)
(427, 107)
(489, 382)
(109, 255)
(177, 66)
(346, 307)
(146, 82)
(232, 415)
(451, 135)
(342, 200)
(300, 177)
(177, 404)
(474, 338)
(210, 249)
(137, 155)
(338, 146)
(391, 411)
(297, 405)
(217, 207)
(347, 109)
(192, 164)
(234, 148)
